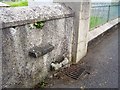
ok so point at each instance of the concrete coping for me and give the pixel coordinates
(3, 5)
(14, 16)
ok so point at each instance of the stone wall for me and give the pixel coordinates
(20, 35)
(81, 25)
(0, 56)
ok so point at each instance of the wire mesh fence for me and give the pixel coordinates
(102, 13)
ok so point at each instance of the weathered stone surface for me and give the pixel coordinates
(21, 70)
(0, 56)
(39, 51)
(14, 16)
(19, 35)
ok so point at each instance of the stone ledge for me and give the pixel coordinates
(15, 16)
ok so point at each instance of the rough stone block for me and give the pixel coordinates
(21, 70)
(39, 51)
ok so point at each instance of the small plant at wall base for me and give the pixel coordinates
(39, 24)
(41, 85)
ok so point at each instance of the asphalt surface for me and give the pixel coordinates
(102, 57)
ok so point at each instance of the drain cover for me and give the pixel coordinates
(74, 71)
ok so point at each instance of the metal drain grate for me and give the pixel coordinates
(74, 71)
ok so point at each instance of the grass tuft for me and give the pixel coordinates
(17, 4)
(96, 21)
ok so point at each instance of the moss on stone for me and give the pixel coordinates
(39, 24)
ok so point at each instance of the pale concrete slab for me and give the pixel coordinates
(3, 5)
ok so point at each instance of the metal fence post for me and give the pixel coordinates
(108, 13)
